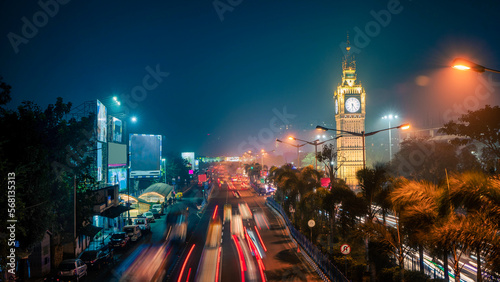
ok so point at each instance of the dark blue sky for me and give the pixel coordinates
(226, 76)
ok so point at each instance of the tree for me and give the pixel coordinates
(46, 152)
(328, 156)
(482, 125)
(309, 159)
(479, 196)
(422, 159)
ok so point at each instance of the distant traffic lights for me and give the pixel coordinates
(251, 167)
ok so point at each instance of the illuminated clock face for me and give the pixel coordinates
(352, 105)
(336, 106)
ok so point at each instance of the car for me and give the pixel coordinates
(158, 207)
(119, 240)
(71, 269)
(156, 214)
(143, 224)
(133, 232)
(96, 258)
(149, 215)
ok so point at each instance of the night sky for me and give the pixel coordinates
(222, 75)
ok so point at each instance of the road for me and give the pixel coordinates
(260, 251)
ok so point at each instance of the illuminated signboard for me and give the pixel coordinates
(118, 176)
(99, 162)
(116, 130)
(117, 154)
(189, 156)
(101, 122)
(145, 155)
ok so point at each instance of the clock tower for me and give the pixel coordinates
(349, 99)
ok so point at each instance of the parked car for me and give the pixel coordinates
(133, 232)
(143, 224)
(158, 207)
(72, 269)
(149, 215)
(96, 258)
(119, 240)
(156, 214)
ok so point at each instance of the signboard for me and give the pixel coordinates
(345, 249)
(145, 155)
(116, 130)
(118, 176)
(191, 171)
(189, 156)
(102, 124)
(117, 155)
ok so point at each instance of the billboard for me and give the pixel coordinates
(101, 122)
(118, 176)
(189, 156)
(116, 130)
(145, 155)
(117, 154)
(99, 162)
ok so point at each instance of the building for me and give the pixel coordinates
(350, 112)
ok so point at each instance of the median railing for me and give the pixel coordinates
(322, 261)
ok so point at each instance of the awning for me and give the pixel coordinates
(90, 230)
(114, 212)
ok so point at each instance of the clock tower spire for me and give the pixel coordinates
(350, 113)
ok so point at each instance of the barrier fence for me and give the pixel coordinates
(325, 265)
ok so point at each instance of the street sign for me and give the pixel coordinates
(311, 223)
(345, 249)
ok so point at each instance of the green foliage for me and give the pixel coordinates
(482, 125)
(46, 152)
(421, 159)
(176, 166)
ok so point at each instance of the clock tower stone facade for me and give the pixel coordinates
(350, 109)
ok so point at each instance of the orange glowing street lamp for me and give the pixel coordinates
(463, 64)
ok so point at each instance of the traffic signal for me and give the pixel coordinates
(251, 167)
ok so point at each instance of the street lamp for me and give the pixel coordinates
(389, 118)
(463, 64)
(296, 146)
(263, 152)
(315, 143)
(363, 134)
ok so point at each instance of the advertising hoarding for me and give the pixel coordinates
(189, 156)
(116, 130)
(117, 155)
(99, 162)
(102, 124)
(145, 155)
(118, 176)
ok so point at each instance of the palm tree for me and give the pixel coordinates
(371, 180)
(418, 210)
(479, 196)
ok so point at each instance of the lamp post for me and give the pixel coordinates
(389, 118)
(363, 135)
(463, 64)
(296, 146)
(315, 143)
